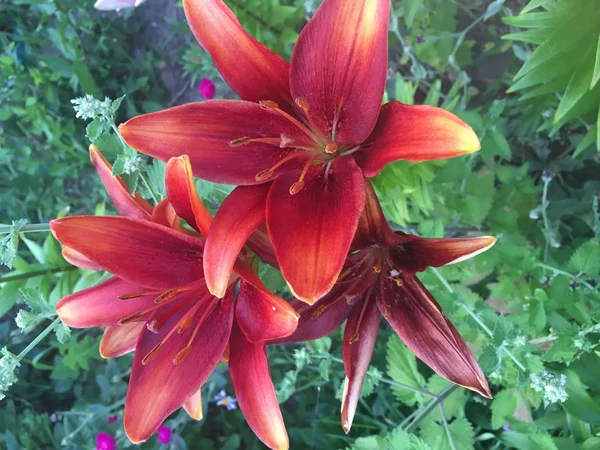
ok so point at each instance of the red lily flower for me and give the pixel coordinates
(158, 304)
(309, 131)
(379, 279)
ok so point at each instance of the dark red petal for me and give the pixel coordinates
(252, 70)
(159, 387)
(415, 133)
(320, 319)
(99, 306)
(262, 316)
(204, 130)
(420, 323)
(417, 254)
(260, 244)
(181, 192)
(249, 371)
(137, 251)
(339, 66)
(119, 340)
(239, 215)
(193, 406)
(360, 335)
(373, 228)
(125, 203)
(312, 230)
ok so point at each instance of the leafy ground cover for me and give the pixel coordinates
(524, 75)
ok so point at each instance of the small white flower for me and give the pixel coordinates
(550, 386)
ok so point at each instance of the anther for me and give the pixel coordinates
(167, 295)
(152, 354)
(131, 296)
(285, 141)
(130, 318)
(264, 175)
(320, 310)
(302, 104)
(331, 148)
(239, 141)
(181, 355)
(354, 337)
(268, 104)
(377, 268)
(296, 187)
(398, 282)
(151, 326)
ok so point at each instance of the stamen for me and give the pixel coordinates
(247, 140)
(264, 175)
(305, 107)
(299, 185)
(133, 295)
(152, 353)
(167, 295)
(180, 356)
(376, 268)
(272, 106)
(336, 119)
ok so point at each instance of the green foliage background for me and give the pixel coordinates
(524, 75)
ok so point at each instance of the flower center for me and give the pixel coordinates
(321, 150)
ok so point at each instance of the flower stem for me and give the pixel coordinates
(35, 273)
(426, 410)
(28, 228)
(38, 339)
(566, 274)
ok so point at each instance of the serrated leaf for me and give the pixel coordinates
(562, 350)
(324, 367)
(503, 405)
(37, 303)
(63, 333)
(10, 242)
(461, 432)
(95, 128)
(116, 104)
(402, 368)
(402, 440)
(586, 259)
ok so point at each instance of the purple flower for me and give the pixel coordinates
(225, 400)
(111, 419)
(105, 441)
(207, 88)
(164, 435)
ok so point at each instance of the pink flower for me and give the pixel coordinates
(164, 435)
(105, 441)
(111, 419)
(207, 88)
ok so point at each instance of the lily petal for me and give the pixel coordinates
(193, 406)
(249, 371)
(240, 214)
(119, 340)
(420, 323)
(360, 335)
(181, 192)
(339, 66)
(204, 131)
(312, 230)
(164, 214)
(99, 306)
(320, 319)
(415, 133)
(125, 203)
(252, 70)
(137, 251)
(262, 316)
(260, 244)
(417, 254)
(76, 259)
(158, 386)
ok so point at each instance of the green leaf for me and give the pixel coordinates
(411, 8)
(461, 432)
(36, 250)
(596, 75)
(86, 79)
(37, 303)
(534, 4)
(580, 404)
(402, 368)
(588, 140)
(10, 242)
(503, 405)
(116, 104)
(63, 333)
(402, 440)
(586, 259)
(577, 88)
